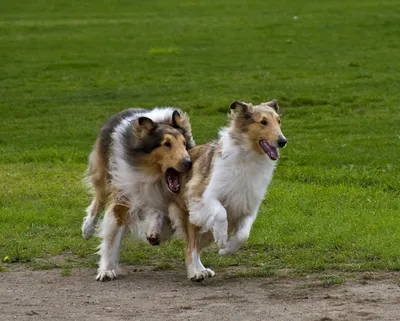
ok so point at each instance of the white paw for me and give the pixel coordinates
(220, 233)
(225, 252)
(88, 232)
(200, 275)
(230, 248)
(106, 275)
(88, 228)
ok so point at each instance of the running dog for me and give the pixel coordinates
(133, 170)
(227, 183)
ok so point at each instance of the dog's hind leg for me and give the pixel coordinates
(92, 216)
(97, 177)
(195, 242)
(112, 230)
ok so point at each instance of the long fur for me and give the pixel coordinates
(126, 172)
(227, 184)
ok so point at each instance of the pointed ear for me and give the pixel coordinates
(176, 119)
(239, 106)
(146, 123)
(274, 104)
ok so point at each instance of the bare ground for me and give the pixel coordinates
(167, 295)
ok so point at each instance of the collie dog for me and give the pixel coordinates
(227, 183)
(133, 170)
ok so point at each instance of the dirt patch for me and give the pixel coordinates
(166, 295)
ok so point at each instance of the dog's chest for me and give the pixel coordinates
(143, 191)
(242, 186)
(150, 195)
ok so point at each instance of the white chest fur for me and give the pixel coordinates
(142, 191)
(239, 179)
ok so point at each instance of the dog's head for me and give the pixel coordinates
(260, 126)
(162, 148)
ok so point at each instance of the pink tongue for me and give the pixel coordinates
(274, 153)
(271, 151)
(173, 182)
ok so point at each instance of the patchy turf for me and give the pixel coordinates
(146, 294)
(66, 66)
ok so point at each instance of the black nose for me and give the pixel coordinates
(281, 141)
(186, 165)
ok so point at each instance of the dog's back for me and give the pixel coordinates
(104, 138)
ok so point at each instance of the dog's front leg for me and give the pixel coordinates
(156, 218)
(220, 222)
(240, 236)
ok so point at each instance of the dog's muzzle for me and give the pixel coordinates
(281, 141)
(186, 165)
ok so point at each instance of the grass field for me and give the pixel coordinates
(66, 66)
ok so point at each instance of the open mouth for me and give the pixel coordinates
(172, 180)
(271, 151)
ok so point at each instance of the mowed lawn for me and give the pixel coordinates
(66, 66)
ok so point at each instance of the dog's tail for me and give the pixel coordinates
(87, 176)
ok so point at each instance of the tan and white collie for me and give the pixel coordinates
(227, 183)
(133, 170)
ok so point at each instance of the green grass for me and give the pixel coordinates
(66, 66)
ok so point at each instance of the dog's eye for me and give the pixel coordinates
(168, 145)
(279, 121)
(264, 122)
